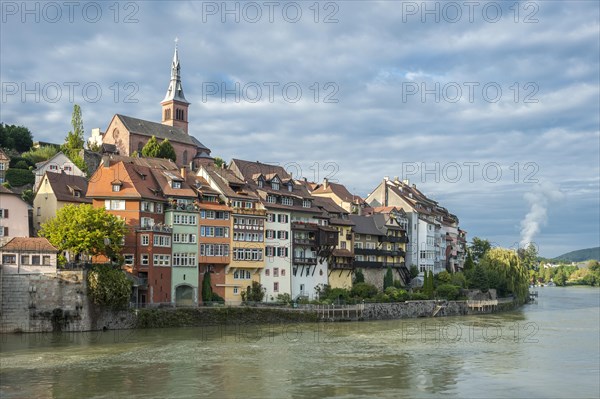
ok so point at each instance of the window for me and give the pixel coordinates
(282, 218)
(2, 166)
(53, 167)
(275, 272)
(3, 213)
(270, 234)
(275, 287)
(184, 259)
(237, 204)
(235, 290)
(250, 254)
(248, 205)
(290, 187)
(271, 199)
(184, 219)
(162, 241)
(46, 260)
(39, 211)
(162, 260)
(358, 245)
(368, 237)
(270, 217)
(159, 208)
(357, 236)
(147, 206)
(282, 272)
(260, 183)
(114, 205)
(146, 222)
(116, 187)
(242, 275)
(176, 184)
(9, 259)
(129, 260)
(282, 234)
(214, 250)
(275, 185)
(372, 258)
(184, 238)
(145, 259)
(269, 251)
(343, 245)
(282, 252)
(68, 168)
(208, 231)
(267, 272)
(306, 204)
(287, 201)
(25, 259)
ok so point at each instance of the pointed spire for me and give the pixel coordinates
(175, 90)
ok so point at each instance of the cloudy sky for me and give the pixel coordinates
(491, 108)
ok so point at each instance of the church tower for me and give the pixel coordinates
(175, 106)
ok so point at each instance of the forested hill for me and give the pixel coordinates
(580, 255)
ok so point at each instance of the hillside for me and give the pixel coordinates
(580, 255)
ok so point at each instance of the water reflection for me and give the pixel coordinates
(524, 353)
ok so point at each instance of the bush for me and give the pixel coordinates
(398, 284)
(363, 290)
(20, 163)
(396, 294)
(459, 279)
(217, 298)
(108, 286)
(359, 277)
(19, 177)
(338, 295)
(443, 277)
(381, 298)
(284, 299)
(418, 296)
(448, 291)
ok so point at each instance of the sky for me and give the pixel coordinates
(492, 108)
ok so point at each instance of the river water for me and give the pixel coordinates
(546, 350)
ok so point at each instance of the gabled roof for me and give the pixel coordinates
(251, 170)
(3, 156)
(160, 163)
(29, 244)
(164, 179)
(160, 131)
(334, 188)
(229, 184)
(365, 225)
(40, 165)
(65, 185)
(4, 190)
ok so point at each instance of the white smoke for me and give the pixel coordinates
(538, 198)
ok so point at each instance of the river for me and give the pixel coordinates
(550, 349)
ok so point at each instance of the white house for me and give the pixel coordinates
(57, 164)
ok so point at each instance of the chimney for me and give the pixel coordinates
(386, 178)
(325, 182)
(396, 180)
(184, 172)
(106, 161)
(406, 181)
(414, 185)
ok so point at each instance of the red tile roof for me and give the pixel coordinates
(29, 244)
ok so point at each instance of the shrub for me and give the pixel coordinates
(338, 294)
(19, 177)
(443, 277)
(217, 298)
(398, 284)
(381, 298)
(459, 279)
(396, 294)
(418, 296)
(20, 163)
(448, 291)
(284, 299)
(363, 290)
(359, 277)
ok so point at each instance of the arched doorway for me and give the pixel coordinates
(184, 295)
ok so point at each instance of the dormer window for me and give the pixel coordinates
(275, 185)
(271, 199)
(116, 187)
(175, 184)
(77, 193)
(306, 204)
(287, 201)
(260, 183)
(290, 187)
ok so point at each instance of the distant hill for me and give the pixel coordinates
(580, 255)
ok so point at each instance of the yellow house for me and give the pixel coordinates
(55, 191)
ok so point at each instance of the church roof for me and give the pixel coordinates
(160, 131)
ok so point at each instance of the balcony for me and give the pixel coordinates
(368, 251)
(157, 228)
(378, 265)
(250, 211)
(341, 265)
(304, 226)
(400, 239)
(305, 241)
(181, 207)
(305, 261)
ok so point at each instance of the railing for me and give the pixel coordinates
(401, 239)
(248, 211)
(305, 241)
(182, 207)
(368, 251)
(305, 226)
(159, 228)
(305, 261)
(337, 265)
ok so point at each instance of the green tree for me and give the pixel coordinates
(207, 293)
(528, 256)
(479, 278)
(388, 279)
(254, 293)
(469, 263)
(19, 177)
(219, 162)
(509, 271)
(74, 140)
(444, 277)
(85, 230)
(16, 138)
(28, 196)
(359, 277)
(108, 287)
(414, 271)
(40, 154)
(167, 151)
(363, 290)
(95, 147)
(479, 248)
(151, 149)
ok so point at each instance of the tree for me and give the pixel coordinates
(108, 286)
(28, 196)
(16, 138)
(151, 149)
(479, 248)
(469, 263)
(388, 279)
(40, 154)
(85, 230)
(359, 277)
(254, 293)
(528, 256)
(74, 140)
(414, 271)
(509, 271)
(94, 147)
(479, 279)
(167, 151)
(219, 162)
(207, 293)
(444, 277)
(19, 177)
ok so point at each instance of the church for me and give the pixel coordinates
(128, 135)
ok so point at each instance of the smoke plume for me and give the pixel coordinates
(539, 198)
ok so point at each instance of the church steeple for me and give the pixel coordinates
(174, 105)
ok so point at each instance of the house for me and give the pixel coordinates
(14, 214)
(4, 165)
(429, 225)
(129, 135)
(58, 163)
(341, 261)
(312, 239)
(128, 187)
(27, 255)
(247, 238)
(54, 192)
(339, 194)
